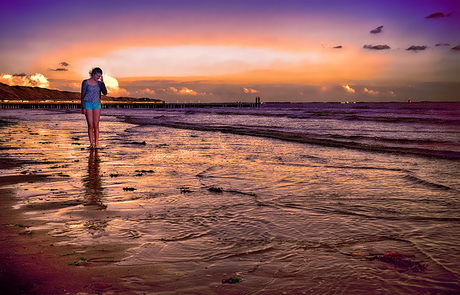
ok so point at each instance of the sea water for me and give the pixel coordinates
(299, 198)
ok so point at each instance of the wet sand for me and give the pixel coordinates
(32, 261)
(159, 210)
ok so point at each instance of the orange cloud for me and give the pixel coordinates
(75, 85)
(250, 90)
(370, 91)
(184, 91)
(112, 86)
(348, 88)
(37, 80)
(145, 91)
(111, 83)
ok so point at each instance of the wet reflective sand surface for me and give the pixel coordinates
(206, 206)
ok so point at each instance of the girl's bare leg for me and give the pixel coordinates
(90, 120)
(96, 117)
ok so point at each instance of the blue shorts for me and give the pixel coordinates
(92, 105)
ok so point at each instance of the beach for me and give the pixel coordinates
(311, 199)
(33, 261)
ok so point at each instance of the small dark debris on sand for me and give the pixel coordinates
(184, 190)
(78, 262)
(129, 189)
(162, 145)
(141, 172)
(215, 189)
(62, 174)
(138, 142)
(232, 280)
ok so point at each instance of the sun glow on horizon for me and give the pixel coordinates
(195, 60)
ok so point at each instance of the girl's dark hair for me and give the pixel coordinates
(94, 71)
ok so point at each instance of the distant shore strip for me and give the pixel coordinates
(124, 105)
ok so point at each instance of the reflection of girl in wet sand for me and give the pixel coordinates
(91, 103)
(92, 181)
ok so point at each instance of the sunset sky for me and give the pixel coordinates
(216, 51)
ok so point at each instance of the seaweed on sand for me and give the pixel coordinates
(397, 259)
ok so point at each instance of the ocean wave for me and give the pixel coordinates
(437, 114)
(351, 142)
(405, 120)
(380, 118)
(400, 141)
(417, 180)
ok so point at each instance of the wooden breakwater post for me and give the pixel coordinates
(258, 101)
(38, 105)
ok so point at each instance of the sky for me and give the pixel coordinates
(227, 51)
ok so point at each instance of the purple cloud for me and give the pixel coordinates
(58, 70)
(376, 47)
(439, 14)
(416, 48)
(62, 69)
(377, 30)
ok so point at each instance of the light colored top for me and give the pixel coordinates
(92, 93)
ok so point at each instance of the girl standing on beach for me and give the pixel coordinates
(91, 103)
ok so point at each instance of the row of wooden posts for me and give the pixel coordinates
(123, 105)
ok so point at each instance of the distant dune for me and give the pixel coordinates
(32, 94)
